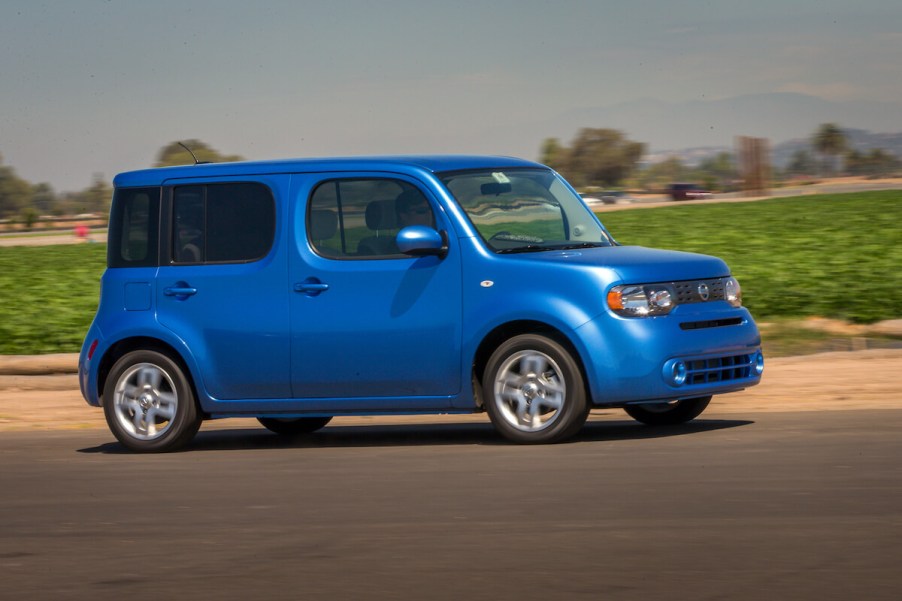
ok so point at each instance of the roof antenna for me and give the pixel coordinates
(196, 162)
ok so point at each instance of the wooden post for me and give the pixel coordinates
(754, 165)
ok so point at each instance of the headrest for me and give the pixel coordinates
(323, 224)
(409, 198)
(380, 215)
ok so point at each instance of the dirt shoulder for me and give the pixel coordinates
(870, 379)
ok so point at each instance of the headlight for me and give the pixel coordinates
(732, 292)
(641, 301)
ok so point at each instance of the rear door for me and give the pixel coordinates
(222, 286)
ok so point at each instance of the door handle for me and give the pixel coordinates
(180, 290)
(311, 287)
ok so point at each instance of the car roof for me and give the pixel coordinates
(399, 164)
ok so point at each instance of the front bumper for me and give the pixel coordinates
(661, 359)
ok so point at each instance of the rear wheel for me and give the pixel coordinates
(149, 404)
(533, 390)
(293, 426)
(668, 414)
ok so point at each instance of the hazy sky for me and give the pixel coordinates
(90, 86)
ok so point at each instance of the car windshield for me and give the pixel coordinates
(525, 210)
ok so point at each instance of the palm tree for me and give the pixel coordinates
(829, 140)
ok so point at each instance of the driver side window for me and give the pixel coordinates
(360, 218)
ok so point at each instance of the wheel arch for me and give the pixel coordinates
(136, 343)
(508, 330)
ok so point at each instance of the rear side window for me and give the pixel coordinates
(134, 228)
(360, 218)
(222, 223)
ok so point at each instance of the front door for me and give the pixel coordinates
(371, 327)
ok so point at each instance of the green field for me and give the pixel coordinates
(48, 295)
(837, 256)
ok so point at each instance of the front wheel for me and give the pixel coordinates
(534, 390)
(668, 414)
(293, 426)
(149, 404)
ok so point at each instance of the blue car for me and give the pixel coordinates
(294, 291)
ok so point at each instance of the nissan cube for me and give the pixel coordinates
(295, 291)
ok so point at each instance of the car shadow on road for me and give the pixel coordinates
(452, 434)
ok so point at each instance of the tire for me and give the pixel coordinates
(294, 426)
(668, 414)
(149, 404)
(534, 391)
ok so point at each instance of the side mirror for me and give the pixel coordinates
(421, 241)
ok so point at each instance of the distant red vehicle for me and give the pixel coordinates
(688, 192)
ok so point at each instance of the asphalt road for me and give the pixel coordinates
(759, 506)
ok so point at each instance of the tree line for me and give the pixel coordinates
(596, 158)
(830, 154)
(605, 158)
(26, 204)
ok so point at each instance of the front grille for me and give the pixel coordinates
(719, 369)
(690, 291)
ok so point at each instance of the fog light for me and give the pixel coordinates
(759, 363)
(675, 372)
(679, 373)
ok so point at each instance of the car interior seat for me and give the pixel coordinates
(382, 220)
(323, 226)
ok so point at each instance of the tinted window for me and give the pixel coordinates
(359, 218)
(134, 228)
(222, 223)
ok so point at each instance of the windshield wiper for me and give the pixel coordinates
(580, 245)
(538, 247)
(529, 248)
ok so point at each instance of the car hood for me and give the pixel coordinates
(637, 264)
